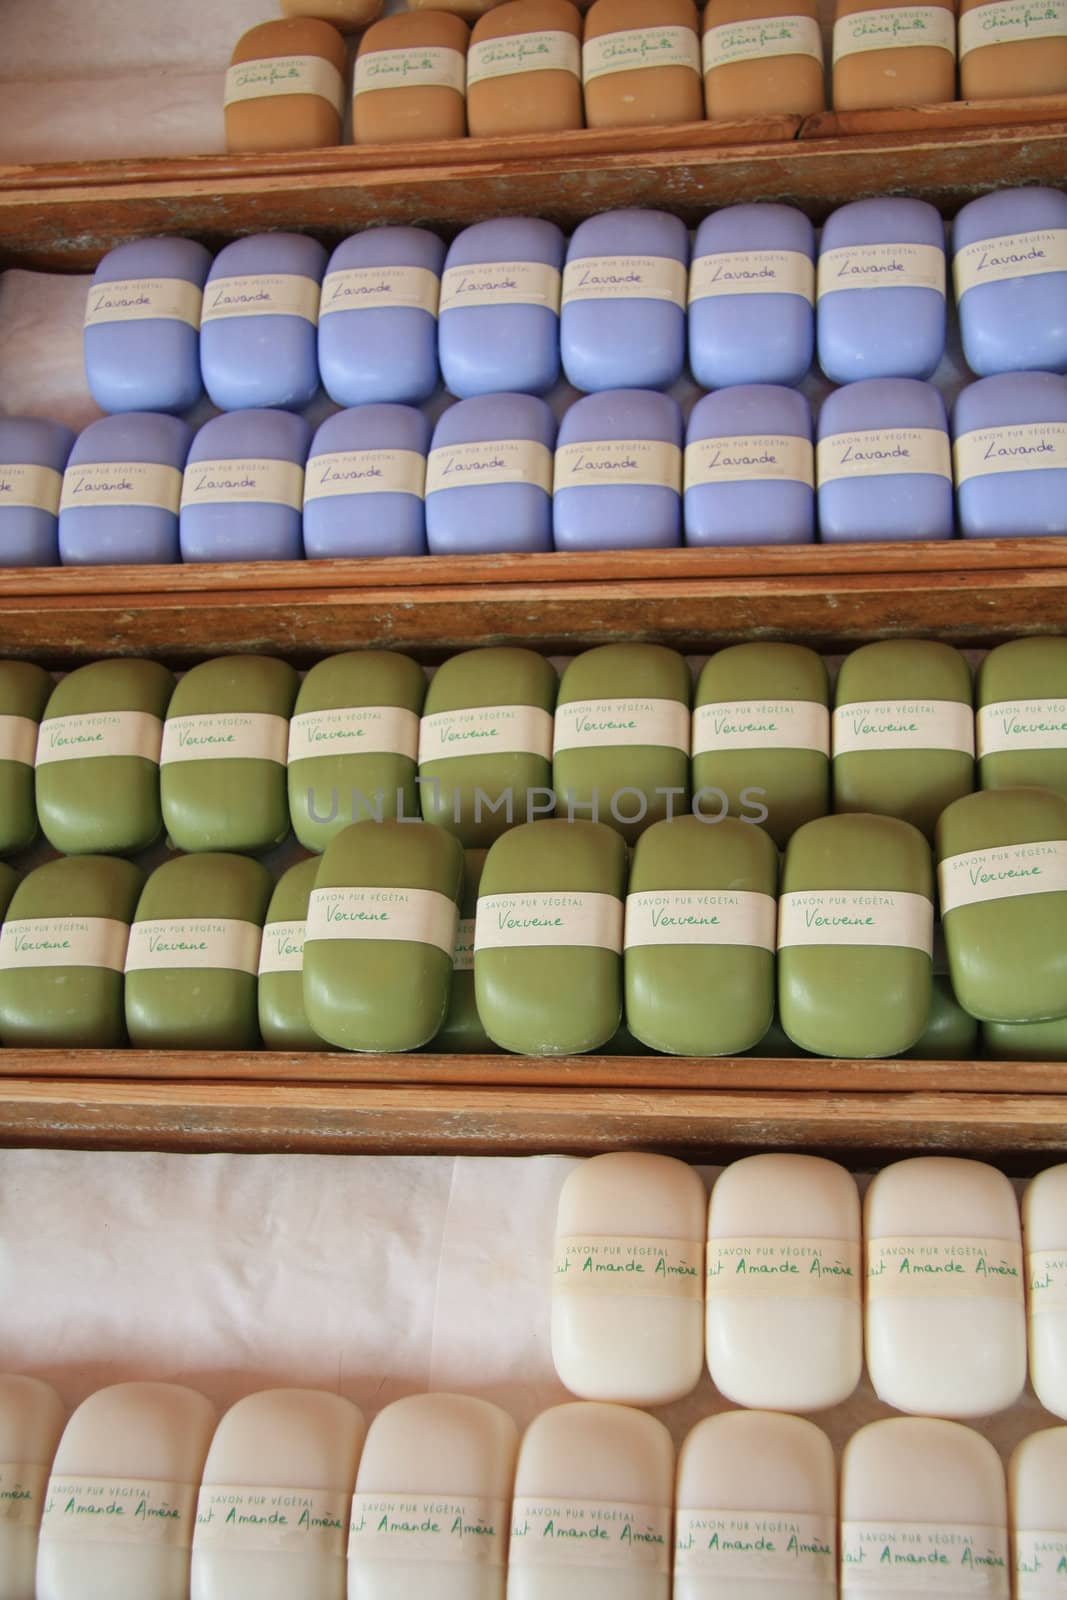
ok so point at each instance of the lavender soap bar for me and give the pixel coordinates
(884, 463)
(750, 468)
(618, 473)
(489, 476)
(258, 335)
(1010, 270)
(624, 293)
(244, 487)
(121, 491)
(365, 484)
(1010, 455)
(33, 454)
(378, 317)
(142, 326)
(498, 327)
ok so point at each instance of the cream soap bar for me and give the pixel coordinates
(524, 69)
(286, 88)
(411, 79)
(901, 54)
(462, 1032)
(31, 1421)
(1037, 1480)
(762, 58)
(641, 63)
(1045, 1238)
(283, 1020)
(24, 692)
(1021, 726)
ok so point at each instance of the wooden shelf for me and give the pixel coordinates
(948, 118)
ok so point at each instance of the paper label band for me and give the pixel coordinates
(1040, 1564)
(467, 466)
(906, 1268)
(878, 452)
(24, 484)
(99, 733)
(466, 1529)
(262, 294)
(761, 725)
(1046, 1277)
(1002, 873)
(600, 724)
(764, 1547)
(18, 739)
(903, 725)
(83, 1510)
(245, 482)
(761, 38)
(429, 67)
(926, 1558)
(282, 949)
(372, 288)
(486, 730)
(463, 954)
(701, 917)
(501, 283)
(1021, 725)
(416, 916)
(633, 49)
(225, 735)
(625, 277)
(104, 484)
(611, 463)
(881, 266)
(343, 472)
(237, 1518)
(34, 942)
(545, 50)
(520, 921)
(794, 1269)
(860, 918)
(589, 1533)
(141, 299)
(220, 943)
(1012, 22)
(1022, 447)
(276, 75)
(751, 458)
(668, 1269)
(354, 731)
(22, 1486)
(895, 28)
(1011, 255)
(752, 271)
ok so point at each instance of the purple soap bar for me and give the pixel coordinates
(1010, 270)
(618, 479)
(1010, 452)
(244, 488)
(884, 463)
(258, 339)
(624, 294)
(750, 468)
(489, 476)
(378, 319)
(121, 491)
(365, 483)
(881, 290)
(33, 454)
(142, 326)
(498, 325)
(752, 296)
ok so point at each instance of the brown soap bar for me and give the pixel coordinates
(348, 15)
(285, 89)
(641, 63)
(524, 69)
(1010, 48)
(762, 58)
(411, 77)
(893, 55)
(470, 9)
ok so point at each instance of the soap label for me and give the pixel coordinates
(603, 1534)
(22, 1486)
(751, 458)
(701, 916)
(881, 266)
(624, 277)
(903, 725)
(1022, 725)
(18, 739)
(1012, 22)
(225, 735)
(520, 921)
(667, 1269)
(282, 949)
(753, 271)
(611, 463)
(463, 466)
(793, 1268)
(275, 75)
(599, 724)
(501, 283)
(1046, 1277)
(341, 472)
(141, 299)
(63, 942)
(220, 943)
(895, 28)
(878, 452)
(927, 1558)
(1022, 447)
(417, 916)
(863, 919)
(243, 481)
(543, 50)
(104, 484)
(470, 1529)
(761, 38)
(633, 49)
(1002, 872)
(24, 484)
(761, 725)
(99, 733)
(463, 954)
(372, 288)
(428, 67)
(237, 1518)
(1040, 1564)
(1011, 255)
(262, 294)
(354, 731)
(486, 730)
(764, 1547)
(94, 1510)
(911, 1267)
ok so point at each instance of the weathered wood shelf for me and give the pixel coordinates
(950, 117)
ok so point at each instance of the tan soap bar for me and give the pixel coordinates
(470, 9)
(641, 63)
(762, 58)
(899, 54)
(411, 79)
(1009, 48)
(524, 69)
(348, 15)
(285, 89)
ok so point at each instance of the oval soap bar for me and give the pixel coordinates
(641, 63)
(752, 290)
(622, 323)
(1010, 455)
(1045, 1237)
(462, 1032)
(1037, 1478)
(899, 54)
(884, 463)
(1021, 726)
(244, 488)
(762, 58)
(411, 79)
(121, 491)
(142, 326)
(283, 1020)
(524, 69)
(498, 323)
(1009, 265)
(1008, 49)
(286, 89)
(348, 15)
(33, 454)
(365, 484)
(378, 317)
(750, 468)
(31, 1421)
(258, 330)
(24, 693)
(489, 476)
(618, 472)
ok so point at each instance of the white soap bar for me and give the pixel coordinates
(1045, 1235)
(1037, 1480)
(272, 1516)
(923, 1513)
(946, 1320)
(784, 1290)
(433, 1496)
(31, 1421)
(755, 1509)
(628, 1281)
(592, 1512)
(121, 1501)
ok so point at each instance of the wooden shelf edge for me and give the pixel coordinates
(952, 116)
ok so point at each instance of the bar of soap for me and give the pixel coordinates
(603, 1474)
(855, 933)
(498, 323)
(380, 936)
(353, 743)
(903, 730)
(752, 295)
(951, 1034)
(762, 58)
(622, 323)
(1010, 455)
(884, 462)
(902, 55)
(618, 472)
(489, 476)
(1021, 726)
(121, 491)
(258, 333)
(755, 1510)
(349, 15)
(9, 881)
(512, 49)
(1008, 49)
(140, 1448)
(699, 938)
(142, 326)
(272, 1515)
(283, 1021)
(881, 290)
(243, 488)
(430, 1512)
(365, 484)
(946, 1320)
(286, 87)
(33, 454)
(24, 692)
(469, 9)
(378, 318)
(411, 79)
(784, 1291)
(641, 63)
(1002, 873)
(1025, 1041)
(31, 1421)
(1010, 271)
(776, 1044)
(1045, 1238)
(1037, 1479)
(462, 1032)
(548, 938)
(750, 468)
(225, 741)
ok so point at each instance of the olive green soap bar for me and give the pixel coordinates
(98, 758)
(62, 953)
(701, 918)
(951, 1034)
(463, 1032)
(282, 1019)
(381, 935)
(1026, 1041)
(548, 938)
(225, 743)
(621, 748)
(1022, 715)
(354, 743)
(761, 736)
(903, 730)
(1002, 875)
(776, 1044)
(9, 882)
(193, 955)
(485, 744)
(855, 936)
(24, 692)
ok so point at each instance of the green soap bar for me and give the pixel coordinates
(548, 952)
(222, 779)
(776, 1044)
(622, 737)
(24, 691)
(282, 1019)
(903, 733)
(62, 953)
(761, 736)
(623, 1043)
(951, 1034)
(1026, 1041)
(206, 913)
(98, 758)
(353, 743)
(855, 936)
(381, 935)
(1002, 872)
(493, 709)
(9, 882)
(463, 1032)
(700, 936)
(1022, 716)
